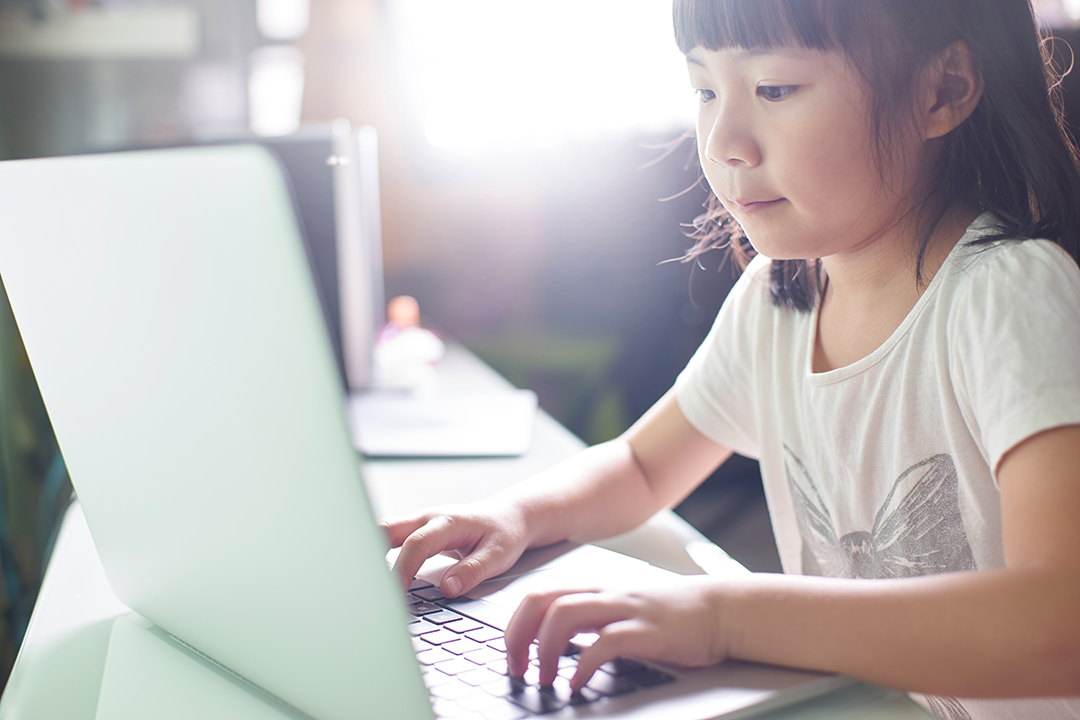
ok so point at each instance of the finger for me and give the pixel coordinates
(615, 640)
(486, 561)
(523, 627)
(399, 528)
(569, 615)
(437, 535)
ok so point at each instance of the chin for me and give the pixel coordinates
(777, 250)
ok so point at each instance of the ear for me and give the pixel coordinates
(952, 89)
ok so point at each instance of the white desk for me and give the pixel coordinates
(59, 670)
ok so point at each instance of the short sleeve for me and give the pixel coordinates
(1015, 345)
(716, 390)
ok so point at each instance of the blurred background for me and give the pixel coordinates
(536, 175)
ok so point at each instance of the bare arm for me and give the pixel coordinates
(602, 491)
(1014, 631)
(1008, 632)
(612, 488)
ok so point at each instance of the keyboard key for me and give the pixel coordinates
(532, 675)
(429, 593)
(485, 634)
(504, 686)
(648, 677)
(609, 685)
(479, 701)
(440, 637)
(536, 702)
(454, 665)
(465, 625)
(497, 644)
(450, 691)
(423, 608)
(622, 666)
(434, 655)
(462, 645)
(479, 676)
(442, 617)
(433, 677)
(485, 612)
(419, 645)
(504, 711)
(417, 584)
(562, 692)
(445, 708)
(567, 661)
(420, 626)
(484, 655)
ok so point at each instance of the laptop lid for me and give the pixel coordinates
(167, 309)
(333, 173)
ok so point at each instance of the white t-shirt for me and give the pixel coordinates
(883, 468)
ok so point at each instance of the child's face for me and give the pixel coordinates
(785, 141)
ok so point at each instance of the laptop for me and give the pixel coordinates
(168, 311)
(333, 175)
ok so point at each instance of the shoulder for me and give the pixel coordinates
(1012, 277)
(756, 277)
(1009, 257)
(1012, 336)
(748, 302)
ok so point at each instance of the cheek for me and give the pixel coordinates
(702, 134)
(836, 165)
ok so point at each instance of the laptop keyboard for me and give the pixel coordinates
(463, 661)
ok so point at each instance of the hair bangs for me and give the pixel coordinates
(718, 24)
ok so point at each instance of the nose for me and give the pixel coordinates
(730, 138)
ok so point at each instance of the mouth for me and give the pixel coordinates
(749, 207)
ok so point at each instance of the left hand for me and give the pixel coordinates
(679, 622)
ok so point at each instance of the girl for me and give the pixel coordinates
(901, 357)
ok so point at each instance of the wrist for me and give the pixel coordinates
(729, 600)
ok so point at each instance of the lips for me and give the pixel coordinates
(748, 206)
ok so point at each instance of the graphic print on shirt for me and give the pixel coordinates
(917, 531)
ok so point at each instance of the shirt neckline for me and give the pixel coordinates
(978, 226)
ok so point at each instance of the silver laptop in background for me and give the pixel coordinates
(166, 305)
(333, 175)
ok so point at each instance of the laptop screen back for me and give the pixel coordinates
(166, 306)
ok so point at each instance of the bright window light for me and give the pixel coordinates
(282, 19)
(499, 74)
(275, 90)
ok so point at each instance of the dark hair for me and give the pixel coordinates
(1011, 156)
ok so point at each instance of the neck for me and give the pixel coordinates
(878, 269)
(872, 288)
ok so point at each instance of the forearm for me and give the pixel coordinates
(600, 492)
(614, 487)
(988, 634)
(597, 493)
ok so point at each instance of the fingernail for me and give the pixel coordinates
(453, 585)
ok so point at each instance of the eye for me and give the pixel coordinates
(704, 96)
(775, 93)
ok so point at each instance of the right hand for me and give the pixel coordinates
(487, 536)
